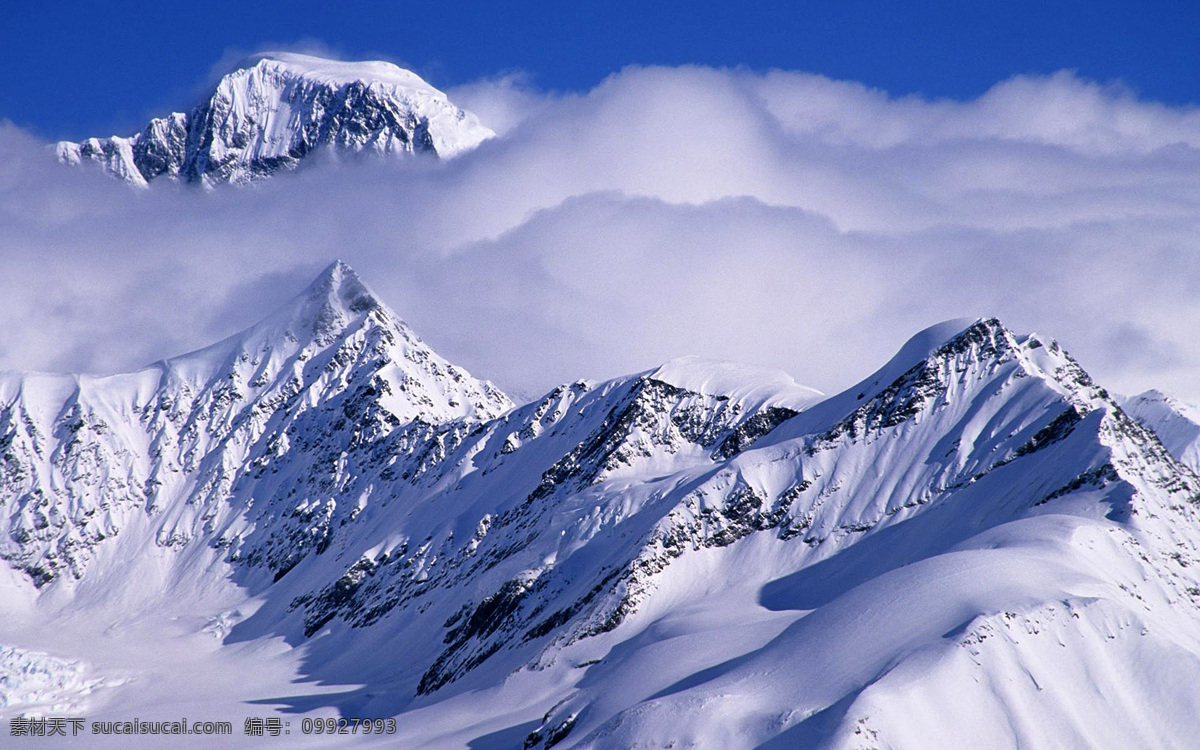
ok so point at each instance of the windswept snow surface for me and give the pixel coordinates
(276, 108)
(976, 546)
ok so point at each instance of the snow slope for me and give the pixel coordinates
(275, 109)
(974, 546)
(1177, 423)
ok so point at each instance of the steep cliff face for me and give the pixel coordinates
(274, 110)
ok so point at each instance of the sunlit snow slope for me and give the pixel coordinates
(273, 110)
(974, 547)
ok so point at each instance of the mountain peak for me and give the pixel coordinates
(928, 342)
(331, 307)
(336, 301)
(338, 320)
(934, 341)
(335, 337)
(340, 285)
(969, 348)
(274, 109)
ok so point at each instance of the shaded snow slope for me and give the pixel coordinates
(273, 110)
(703, 554)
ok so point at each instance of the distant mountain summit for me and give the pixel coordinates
(273, 110)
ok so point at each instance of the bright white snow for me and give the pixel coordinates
(974, 546)
(276, 108)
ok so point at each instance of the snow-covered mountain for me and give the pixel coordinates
(186, 441)
(274, 109)
(974, 546)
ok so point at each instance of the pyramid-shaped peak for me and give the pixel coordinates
(333, 304)
(340, 285)
(340, 324)
(334, 300)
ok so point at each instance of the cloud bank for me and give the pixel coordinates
(783, 219)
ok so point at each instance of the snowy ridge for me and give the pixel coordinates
(273, 110)
(1006, 494)
(702, 554)
(189, 428)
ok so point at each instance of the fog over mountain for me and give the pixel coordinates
(688, 204)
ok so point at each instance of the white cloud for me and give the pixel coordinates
(779, 218)
(505, 101)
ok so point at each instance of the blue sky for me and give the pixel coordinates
(74, 69)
